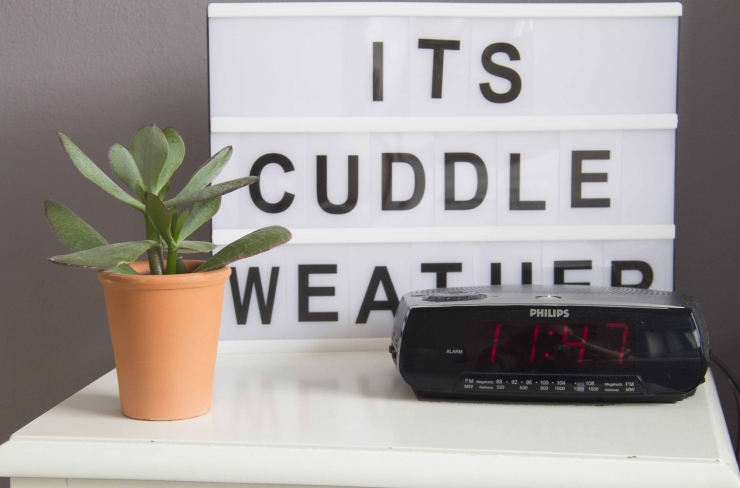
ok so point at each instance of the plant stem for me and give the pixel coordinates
(171, 261)
(155, 256)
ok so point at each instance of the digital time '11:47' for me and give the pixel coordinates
(566, 345)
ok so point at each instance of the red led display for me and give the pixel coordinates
(543, 345)
(624, 339)
(495, 343)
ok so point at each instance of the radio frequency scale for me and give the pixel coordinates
(551, 343)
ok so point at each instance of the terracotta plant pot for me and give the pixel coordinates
(165, 336)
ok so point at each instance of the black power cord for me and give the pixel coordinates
(735, 384)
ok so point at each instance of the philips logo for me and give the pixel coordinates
(548, 312)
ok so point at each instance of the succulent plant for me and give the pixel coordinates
(146, 169)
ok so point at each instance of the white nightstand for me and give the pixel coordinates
(348, 419)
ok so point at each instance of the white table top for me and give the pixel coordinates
(348, 419)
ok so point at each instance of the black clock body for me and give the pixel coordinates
(551, 343)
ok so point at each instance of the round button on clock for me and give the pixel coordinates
(453, 297)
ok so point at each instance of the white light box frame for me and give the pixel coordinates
(414, 145)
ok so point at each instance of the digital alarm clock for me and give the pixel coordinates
(563, 342)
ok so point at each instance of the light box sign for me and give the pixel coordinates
(410, 146)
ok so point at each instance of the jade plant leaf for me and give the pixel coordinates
(140, 190)
(210, 192)
(75, 233)
(195, 246)
(174, 217)
(175, 155)
(164, 191)
(208, 171)
(106, 256)
(95, 174)
(199, 214)
(251, 244)
(124, 166)
(123, 269)
(160, 218)
(149, 148)
(179, 225)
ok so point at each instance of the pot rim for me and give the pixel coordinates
(164, 282)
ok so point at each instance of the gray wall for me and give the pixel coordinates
(97, 70)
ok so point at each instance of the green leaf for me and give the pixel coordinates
(175, 155)
(164, 191)
(181, 220)
(173, 222)
(149, 148)
(106, 256)
(211, 192)
(74, 232)
(95, 174)
(186, 247)
(208, 171)
(181, 268)
(124, 166)
(200, 213)
(257, 242)
(123, 269)
(140, 191)
(159, 217)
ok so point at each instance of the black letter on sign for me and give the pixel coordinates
(641, 266)
(352, 185)
(305, 292)
(387, 177)
(441, 269)
(495, 273)
(380, 275)
(578, 177)
(526, 273)
(501, 72)
(438, 60)
(561, 266)
(377, 71)
(254, 188)
(515, 177)
(482, 174)
(254, 282)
